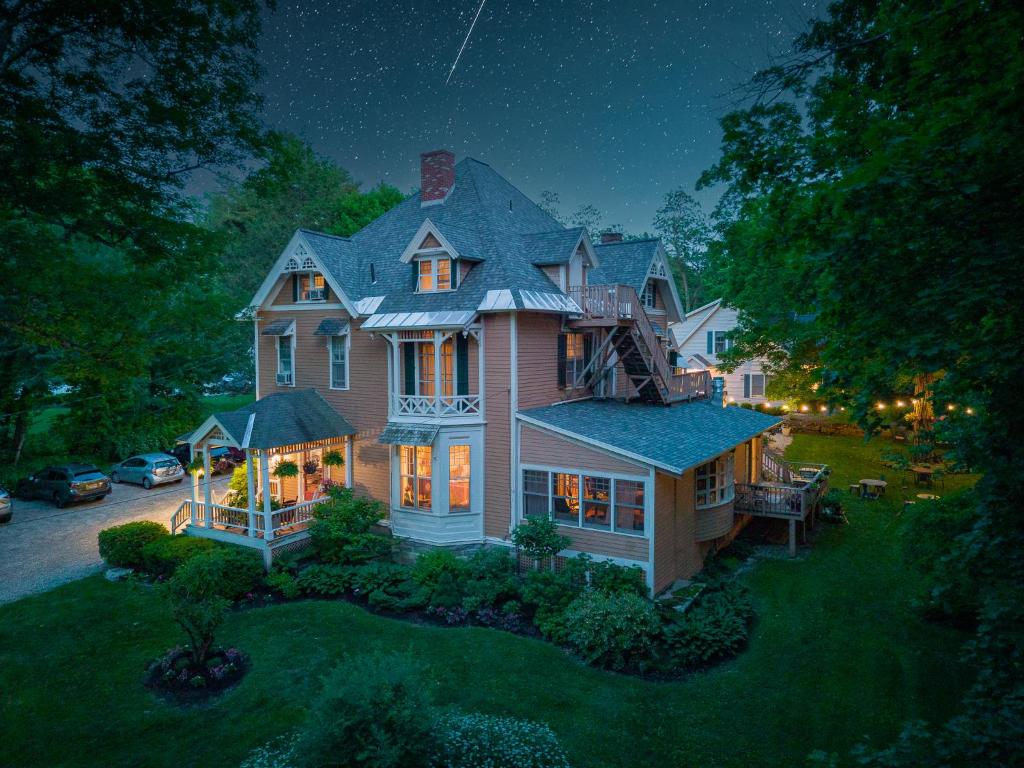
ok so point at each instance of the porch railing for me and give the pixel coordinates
(442, 405)
(692, 385)
(296, 515)
(610, 302)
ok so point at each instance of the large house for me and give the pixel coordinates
(475, 362)
(702, 336)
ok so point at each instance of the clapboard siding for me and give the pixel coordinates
(539, 447)
(713, 522)
(665, 530)
(607, 544)
(364, 404)
(538, 360)
(498, 434)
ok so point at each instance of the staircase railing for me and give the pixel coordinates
(776, 467)
(182, 516)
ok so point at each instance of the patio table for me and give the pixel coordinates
(922, 474)
(870, 488)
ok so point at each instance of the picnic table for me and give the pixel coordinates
(922, 474)
(871, 488)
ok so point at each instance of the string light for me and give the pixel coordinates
(805, 408)
(900, 403)
(950, 407)
(823, 409)
(970, 411)
(881, 406)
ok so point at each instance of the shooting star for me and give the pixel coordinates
(459, 56)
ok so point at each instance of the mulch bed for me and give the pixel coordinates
(173, 677)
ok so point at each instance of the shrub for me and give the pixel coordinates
(491, 579)
(196, 605)
(341, 528)
(431, 565)
(612, 630)
(380, 575)
(550, 593)
(715, 627)
(122, 545)
(329, 579)
(284, 582)
(613, 579)
(231, 570)
(538, 537)
(163, 556)
(238, 487)
(471, 741)
(372, 711)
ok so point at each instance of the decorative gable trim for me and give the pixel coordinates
(713, 306)
(659, 269)
(426, 228)
(588, 248)
(299, 256)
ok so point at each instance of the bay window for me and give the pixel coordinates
(415, 477)
(580, 500)
(714, 482)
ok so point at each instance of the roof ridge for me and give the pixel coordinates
(627, 242)
(324, 234)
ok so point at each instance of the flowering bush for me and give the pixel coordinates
(486, 741)
(612, 630)
(454, 615)
(176, 673)
(510, 621)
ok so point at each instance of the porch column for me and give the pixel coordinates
(193, 479)
(268, 513)
(250, 484)
(348, 461)
(396, 369)
(207, 491)
(300, 490)
(437, 372)
(792, 537)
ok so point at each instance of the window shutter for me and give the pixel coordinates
(327, 291)
(711, 342)
(561, 360)
(462, 364)
(295, 287)
(746, 385)
(409, 352)
(673, 358)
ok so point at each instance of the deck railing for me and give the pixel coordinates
(795, 499)
(692, 385)
(442, 405)
(607, 302)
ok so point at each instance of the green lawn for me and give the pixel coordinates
(837, 654)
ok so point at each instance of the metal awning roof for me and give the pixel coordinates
(278, 327)
(412, 320)
(332, 326)
(408, 434)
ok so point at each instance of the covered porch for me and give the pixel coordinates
(296, 446)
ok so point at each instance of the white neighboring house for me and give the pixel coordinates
(700, 339)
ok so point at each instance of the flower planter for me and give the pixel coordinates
(176, 678)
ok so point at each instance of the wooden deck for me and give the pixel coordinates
(793, 492)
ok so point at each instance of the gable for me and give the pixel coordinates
(298, 256)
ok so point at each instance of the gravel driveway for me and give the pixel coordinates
(44, 546)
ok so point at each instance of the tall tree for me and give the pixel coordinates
(877, 239)
(551, 204)
(105, 109)
(587, 216)
(684, 229)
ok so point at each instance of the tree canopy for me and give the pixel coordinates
(875, 189)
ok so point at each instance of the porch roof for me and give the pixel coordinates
(672, 439)
(283, 418)
(408, 434)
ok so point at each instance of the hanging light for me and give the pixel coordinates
(805, 408)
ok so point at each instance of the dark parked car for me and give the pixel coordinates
(65, 484)
(6, 506)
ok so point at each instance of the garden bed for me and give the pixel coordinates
(176, 677)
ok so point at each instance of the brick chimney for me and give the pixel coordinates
(611, 237)
(437, 176)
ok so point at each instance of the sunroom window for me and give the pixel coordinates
(583, 500)
(714, 482)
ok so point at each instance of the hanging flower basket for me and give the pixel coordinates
(333, 459)
(311, 467)
(286, 469)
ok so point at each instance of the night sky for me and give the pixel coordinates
(610, 103)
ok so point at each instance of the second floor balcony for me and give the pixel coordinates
(436, 406)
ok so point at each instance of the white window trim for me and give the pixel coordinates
(727, 344)
(433, 255)
(416, 479)
(469, 479)
(728, 473)
(651, 290)
(580, 474)
(437, 354)
(277, 351)
(330, 361)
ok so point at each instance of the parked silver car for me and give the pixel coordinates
(148, 469)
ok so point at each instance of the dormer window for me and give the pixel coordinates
(310, 286)
(434, 273)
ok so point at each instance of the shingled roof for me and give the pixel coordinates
(624, 262)
(488, 221)
(283, 418)
(672, 439)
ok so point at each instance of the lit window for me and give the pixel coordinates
(714, 482)
(597, 502)
(312, 287)
(565, 497)
(435, 273)
(629, 506)
(447, 368)
(339, 362)
(458, 478)
(425, 378)
(414, 490)
(757, 385)
(574, 358)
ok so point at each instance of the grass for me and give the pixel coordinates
(837, 654)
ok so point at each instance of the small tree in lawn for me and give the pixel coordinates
(539, 538)
(197, 605)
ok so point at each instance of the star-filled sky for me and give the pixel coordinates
(605, 102)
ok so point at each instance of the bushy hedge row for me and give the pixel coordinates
(122, 545)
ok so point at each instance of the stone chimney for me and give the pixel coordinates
(611, 237)
(437, 176)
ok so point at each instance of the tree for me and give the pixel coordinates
(683, 227)
(105, 109)
(551, 203)
(588, 217)
(877, 240)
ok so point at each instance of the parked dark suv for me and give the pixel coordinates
(65, 484)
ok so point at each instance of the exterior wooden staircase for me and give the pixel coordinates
(634, 343)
